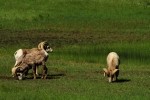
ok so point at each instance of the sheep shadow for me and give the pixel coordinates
(122, 80)
(55, 76)
(49, 76)
(30, 76)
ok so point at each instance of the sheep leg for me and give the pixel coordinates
(34, 71)
(37, 71)
(117, 74)
(114, 78)
(44, 72)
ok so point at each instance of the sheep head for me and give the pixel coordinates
(19, 72)
(111, 74)
(44, 45)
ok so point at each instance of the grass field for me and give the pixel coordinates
(82, 33)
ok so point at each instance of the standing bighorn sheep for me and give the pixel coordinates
(31, 58)
(112, 71)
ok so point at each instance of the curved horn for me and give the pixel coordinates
(13, 70)
(41, 45)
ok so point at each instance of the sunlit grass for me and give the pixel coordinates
(75, 15)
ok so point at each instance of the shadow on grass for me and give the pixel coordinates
(52, 76)
(122, 80)
(30, 76)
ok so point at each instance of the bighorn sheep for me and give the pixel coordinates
(19, 54)
(112, 71)
(31, 58)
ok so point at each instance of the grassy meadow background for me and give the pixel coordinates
(82, 33)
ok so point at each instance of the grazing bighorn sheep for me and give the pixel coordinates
(112, 71)
(19, 54)
(21, 71)
(31, 58)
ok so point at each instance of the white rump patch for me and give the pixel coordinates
(18, 56)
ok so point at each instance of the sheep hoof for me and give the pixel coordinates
(34, 78)
(37, 74)
(43, 77)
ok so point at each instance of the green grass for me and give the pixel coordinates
(82, 33)
(75, 72)
(81, 81)
(81, 15)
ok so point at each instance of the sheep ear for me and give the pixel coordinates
(115, 71)
(105, 71)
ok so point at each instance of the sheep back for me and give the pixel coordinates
(113, 60)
